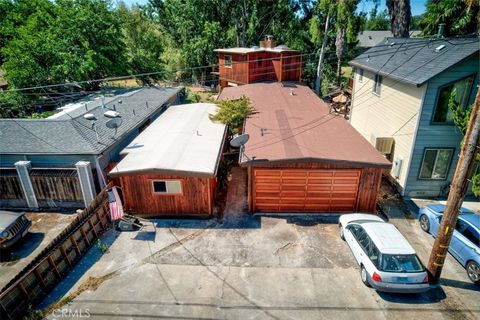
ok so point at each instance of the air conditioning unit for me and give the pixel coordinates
(383, 144)
(397, 167)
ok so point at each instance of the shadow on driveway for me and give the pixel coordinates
(23, 248)
(433, 295)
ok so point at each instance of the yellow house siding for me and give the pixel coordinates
(392, 113)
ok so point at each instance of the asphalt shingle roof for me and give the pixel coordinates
(370, 38)
(415, 61)
(75, 134)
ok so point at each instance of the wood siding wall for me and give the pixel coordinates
(368, 186)
(196, 198)
(246, 68)
(238, 72)
(434, 135)
(393, 113)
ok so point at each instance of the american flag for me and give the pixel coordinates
(116, 208)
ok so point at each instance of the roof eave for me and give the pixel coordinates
(358, 164)
(170, 172)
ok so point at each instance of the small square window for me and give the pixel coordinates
(167, 186)
(260, 61)
(435, 164)
(228, 61)
(377, 85)
(160, 186)
(360, 75)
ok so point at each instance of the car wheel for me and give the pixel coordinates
(342, 236)
(473, 271)
(424, 223)
(364, 276)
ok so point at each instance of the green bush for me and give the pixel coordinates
(233, 113)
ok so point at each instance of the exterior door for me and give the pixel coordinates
(305, 190)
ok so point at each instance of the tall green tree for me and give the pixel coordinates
(377, 20)
(461, 17)
(144, 43)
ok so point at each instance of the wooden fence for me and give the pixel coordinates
(10, 187)
(59, 185)
(36, 280)
(52, 187)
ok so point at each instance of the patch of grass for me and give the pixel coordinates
(91, 284)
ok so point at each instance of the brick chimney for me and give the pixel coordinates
(268, 42)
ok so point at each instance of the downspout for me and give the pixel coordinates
(101, 179)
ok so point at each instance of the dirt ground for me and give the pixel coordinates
(45, 227)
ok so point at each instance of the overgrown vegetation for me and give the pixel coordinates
(72, 42)
(461, 117)
(233, 113)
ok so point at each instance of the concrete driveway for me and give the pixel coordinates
(247, 267)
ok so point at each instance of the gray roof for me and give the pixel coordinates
(75, 134)
(369, 38)
(415, 61)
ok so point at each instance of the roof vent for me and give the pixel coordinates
(90, 116)
(111, 114)
(439, 48)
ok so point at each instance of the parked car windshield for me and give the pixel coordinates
(400, 263)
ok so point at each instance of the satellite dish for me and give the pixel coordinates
(90, 116)
(114, 123)
(239, 140)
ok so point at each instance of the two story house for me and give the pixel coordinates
(268, 61)
(400, 103)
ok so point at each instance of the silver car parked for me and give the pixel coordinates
(387, 261)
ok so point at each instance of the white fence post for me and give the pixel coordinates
(23, 171)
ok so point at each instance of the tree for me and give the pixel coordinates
(461, 17)
(400, 17)
(144, 43)
(461, 117)
(377, 20)
(60, 42)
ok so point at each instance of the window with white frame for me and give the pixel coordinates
(377, 84)
(360, 75)
(167, 186)
(228, 61)
(436, 163)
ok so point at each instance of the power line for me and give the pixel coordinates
(76, 83)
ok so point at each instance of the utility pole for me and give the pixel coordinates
(456, 195)
(320, 59)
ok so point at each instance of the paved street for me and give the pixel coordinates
(252, 268)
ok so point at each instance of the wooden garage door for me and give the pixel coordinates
(300, 190)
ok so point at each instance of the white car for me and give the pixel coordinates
(387, 261)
